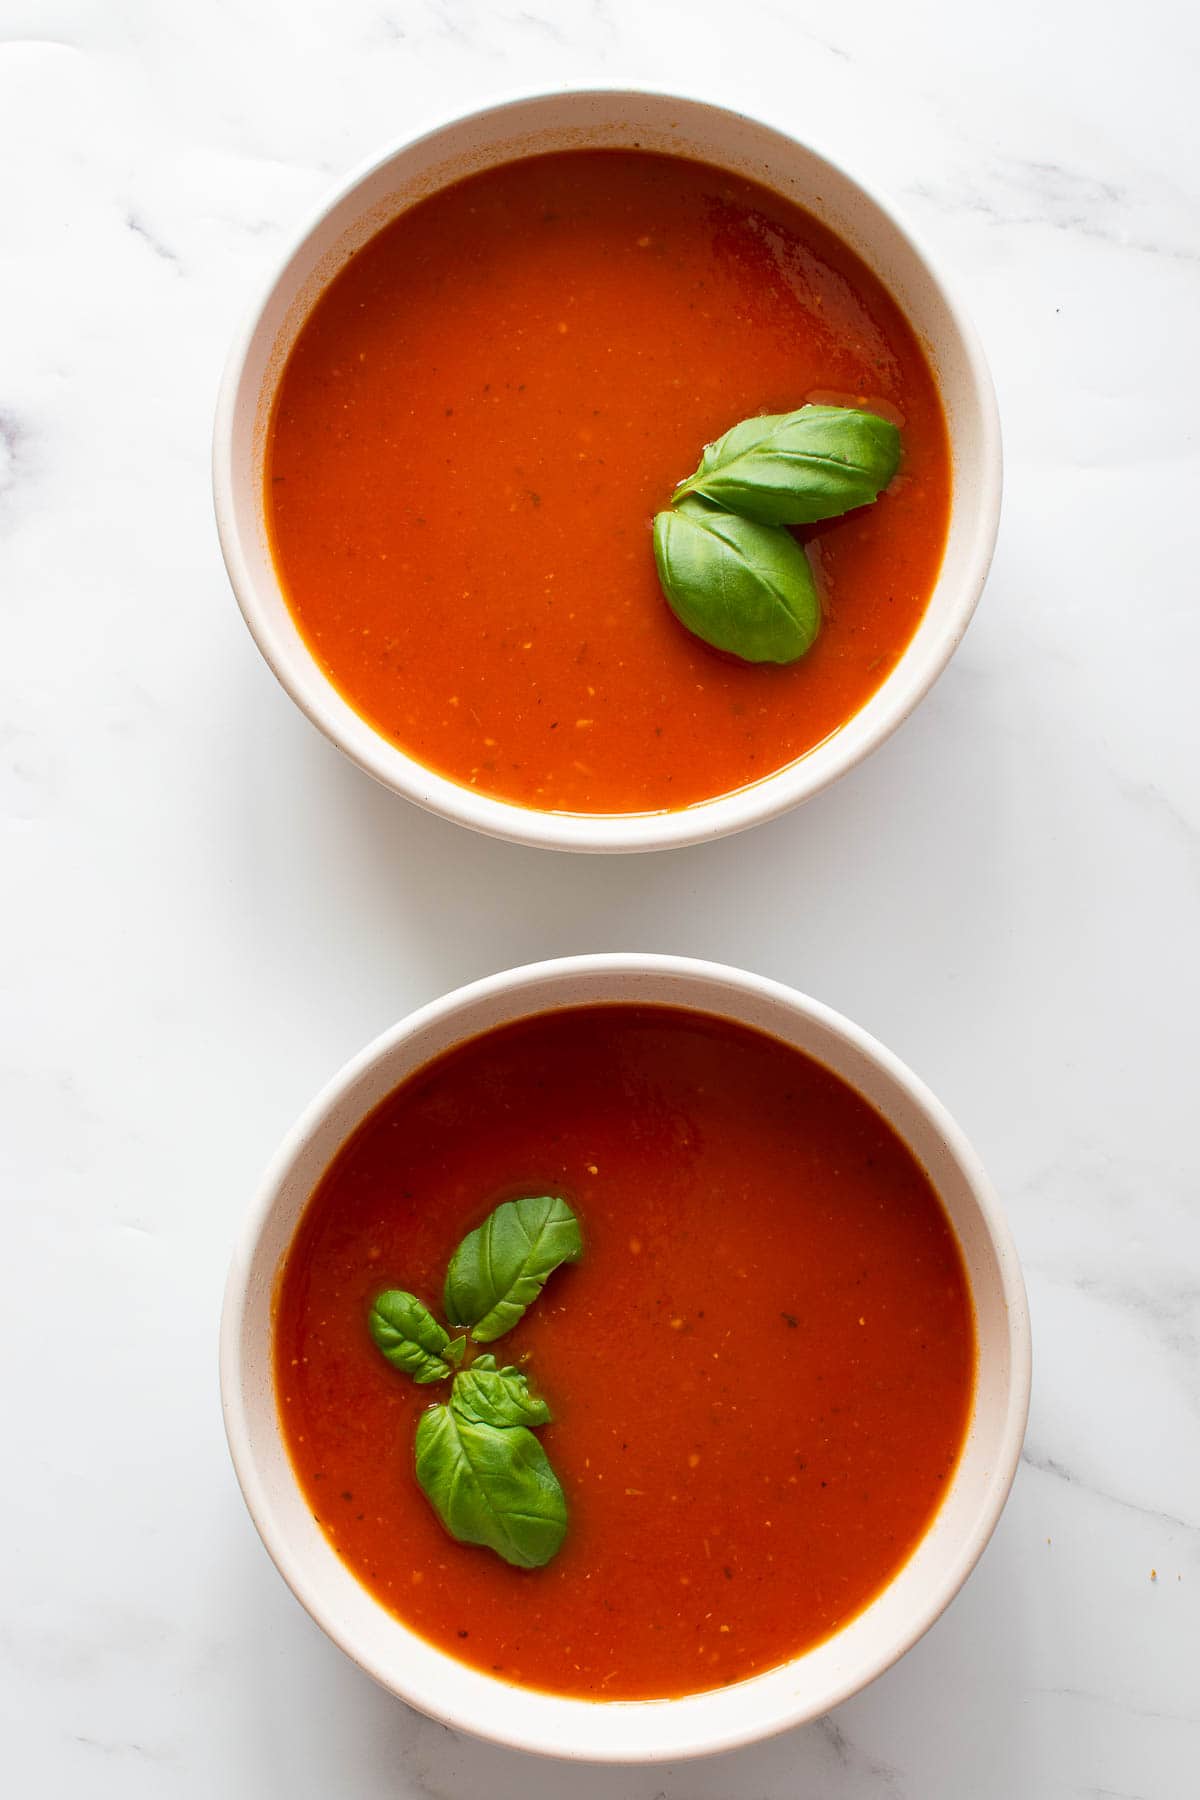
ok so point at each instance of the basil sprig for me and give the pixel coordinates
(411, 1338)
(731, 570)
(477, 1460)
(491, 1485)
(499, 1270)
(799, 467)
(740, 586)
(487, 1395)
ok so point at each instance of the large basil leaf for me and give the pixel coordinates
(487, 1395)
(742, 587)
(795, 468)
(491, 1485)
(411, 1338)
(500, 1269)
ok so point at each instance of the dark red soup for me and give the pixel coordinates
(482, 415)
(760, 1371)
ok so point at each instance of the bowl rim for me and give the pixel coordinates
(319, 699)
(513, 986)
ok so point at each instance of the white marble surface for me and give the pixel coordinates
(205, 910)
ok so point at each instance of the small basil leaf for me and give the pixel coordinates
(492, 1396)
(742, 587)
(500, 1269)
(491, 1485)
(795, 468)
(410, 1337)
(455, 1351)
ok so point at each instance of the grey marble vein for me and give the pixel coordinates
(138, 226)
(13, 439)
(1017, 191)
(1108, 1700)
(883, 1778)
(1048, 1465)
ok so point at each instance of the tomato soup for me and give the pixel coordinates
(760, 1370)
(478, 422)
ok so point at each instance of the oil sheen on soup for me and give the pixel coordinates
(479, 420)
(760, 1370)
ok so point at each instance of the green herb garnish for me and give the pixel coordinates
(477, 1460)
(731, 571)
(491, 1485)
(490, 1396)
(799, 467)
(499, 1270)
(411, 1338)
(740, 586)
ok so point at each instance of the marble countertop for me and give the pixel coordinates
(206, 910)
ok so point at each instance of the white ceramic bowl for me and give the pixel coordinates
(618, 1731)
(390, 183)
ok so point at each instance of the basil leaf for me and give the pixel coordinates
(795, 468)
(500, 1269)
(411, 1338)
(487, 1395)
(742, 587)
(491, 1485)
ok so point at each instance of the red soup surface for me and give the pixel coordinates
(480, 418)
(760, 1371)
